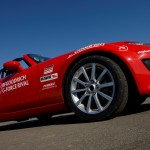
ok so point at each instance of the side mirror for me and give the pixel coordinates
(13, 66)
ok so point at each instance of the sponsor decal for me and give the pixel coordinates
(14, 84)
(48, 69)
(49, 77)
(143, 51)
(123, 48)
(48, 86)
(85, 48)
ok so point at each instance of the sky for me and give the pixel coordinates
(54, 27)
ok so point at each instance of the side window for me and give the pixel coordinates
(24, 64)
(5, 73)
(1, 73)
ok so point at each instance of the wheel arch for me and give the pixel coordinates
(128, 74)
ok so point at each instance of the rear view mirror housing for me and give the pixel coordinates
(13, 66)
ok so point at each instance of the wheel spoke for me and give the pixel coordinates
(88, 109)
(99, 106)
(105, 96)
(92, 93)
(77, 91)
(80, 100)
(106, 85)
(101, 75)
(93, 71)
(79, 81)
(84, 73)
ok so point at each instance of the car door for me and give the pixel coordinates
(19, 91)
(48, 83)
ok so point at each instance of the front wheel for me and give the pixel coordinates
(96, 88)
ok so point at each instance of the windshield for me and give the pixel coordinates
(138, 43)
(38, 58)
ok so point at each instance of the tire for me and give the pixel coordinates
(96, 88)
(141, 100)
(134, 101)
(134, 97)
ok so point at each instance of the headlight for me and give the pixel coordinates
(146, 63)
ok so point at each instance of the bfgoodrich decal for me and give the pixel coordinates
(14, 84)
(49, 77)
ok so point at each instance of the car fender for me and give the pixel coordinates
(125, 52)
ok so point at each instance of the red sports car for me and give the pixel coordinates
(95, 82)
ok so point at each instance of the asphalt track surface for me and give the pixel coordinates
(130, 131)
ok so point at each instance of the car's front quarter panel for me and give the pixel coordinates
(133, 58)
(131, 55)
(142, 73)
